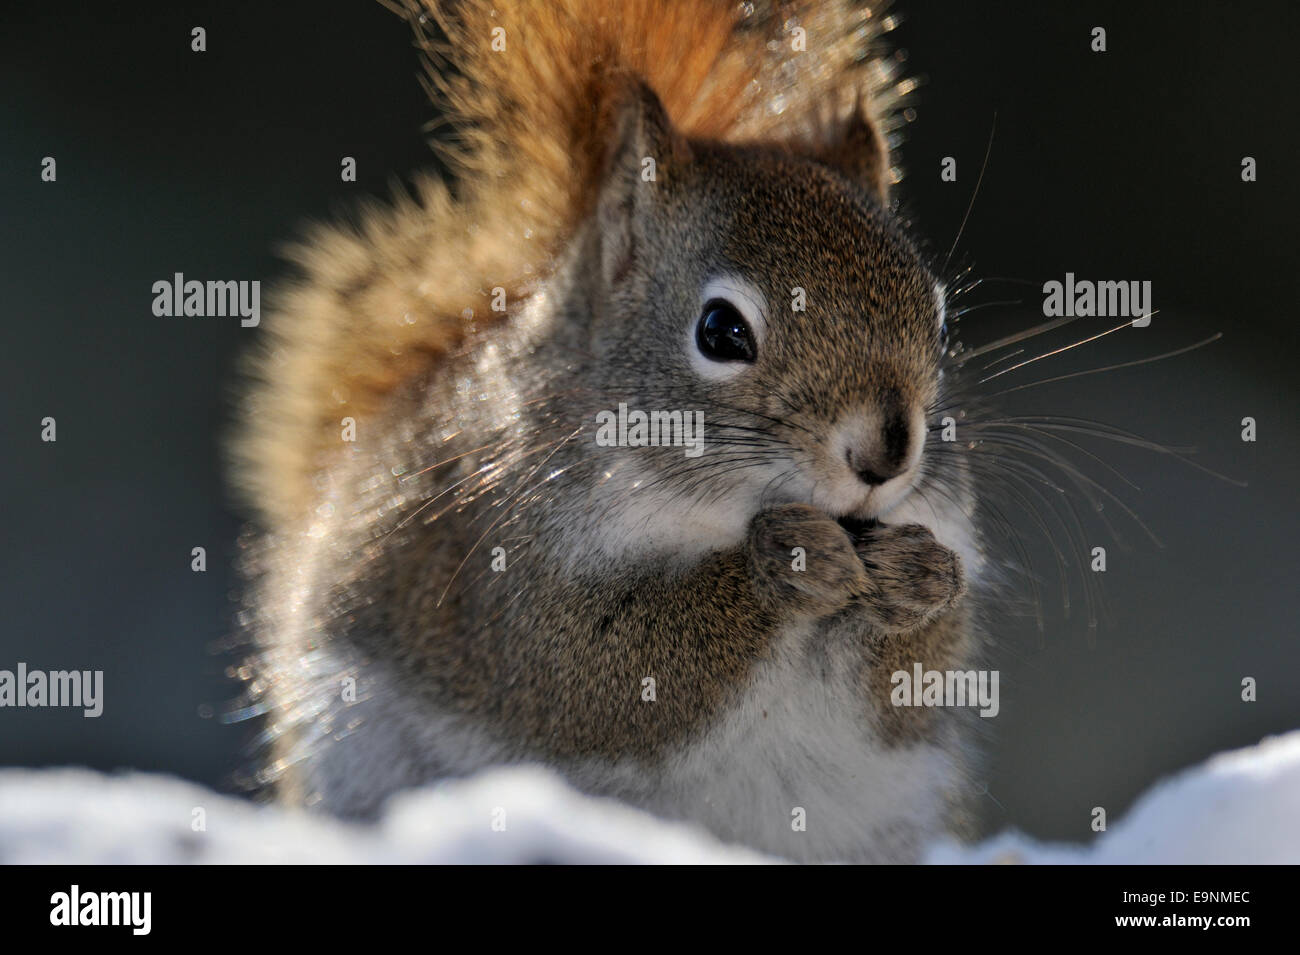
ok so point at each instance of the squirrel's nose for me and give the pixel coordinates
(875, 457)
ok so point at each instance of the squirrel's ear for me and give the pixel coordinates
(645, 153)
(851, 144)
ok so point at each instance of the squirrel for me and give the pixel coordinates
(656, 205)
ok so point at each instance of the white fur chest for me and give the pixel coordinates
(797, 769)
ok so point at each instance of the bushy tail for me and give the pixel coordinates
(527, 90)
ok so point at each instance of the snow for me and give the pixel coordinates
(1239, 807)
(77, 816)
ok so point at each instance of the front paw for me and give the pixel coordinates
(911, 577)
(803, 560)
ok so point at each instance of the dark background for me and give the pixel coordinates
(1122, 165)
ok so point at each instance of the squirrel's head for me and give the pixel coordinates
(769, 288)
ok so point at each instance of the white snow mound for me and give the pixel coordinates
(1239, 807)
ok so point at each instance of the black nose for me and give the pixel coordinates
(876, 458)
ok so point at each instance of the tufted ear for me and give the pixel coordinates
(850, 143)
(645, 154)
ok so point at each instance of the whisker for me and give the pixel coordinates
(988, 151)
(1015, 338)
(506, 512)
(1120, 436)
(983, 305)
(1058, 351)
(1126, 364)
(1006, 357)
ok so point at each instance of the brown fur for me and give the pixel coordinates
(377, 305)
(568, 690)
(475, 434)
(473, 639)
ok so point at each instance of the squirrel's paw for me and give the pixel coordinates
(910, 575)
(804, 560)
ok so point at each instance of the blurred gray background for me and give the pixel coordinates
(1122, 165)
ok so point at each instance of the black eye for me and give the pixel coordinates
(943, 336)
(724, 335)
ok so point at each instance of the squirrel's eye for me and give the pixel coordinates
(723, 335)
(943, 336)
